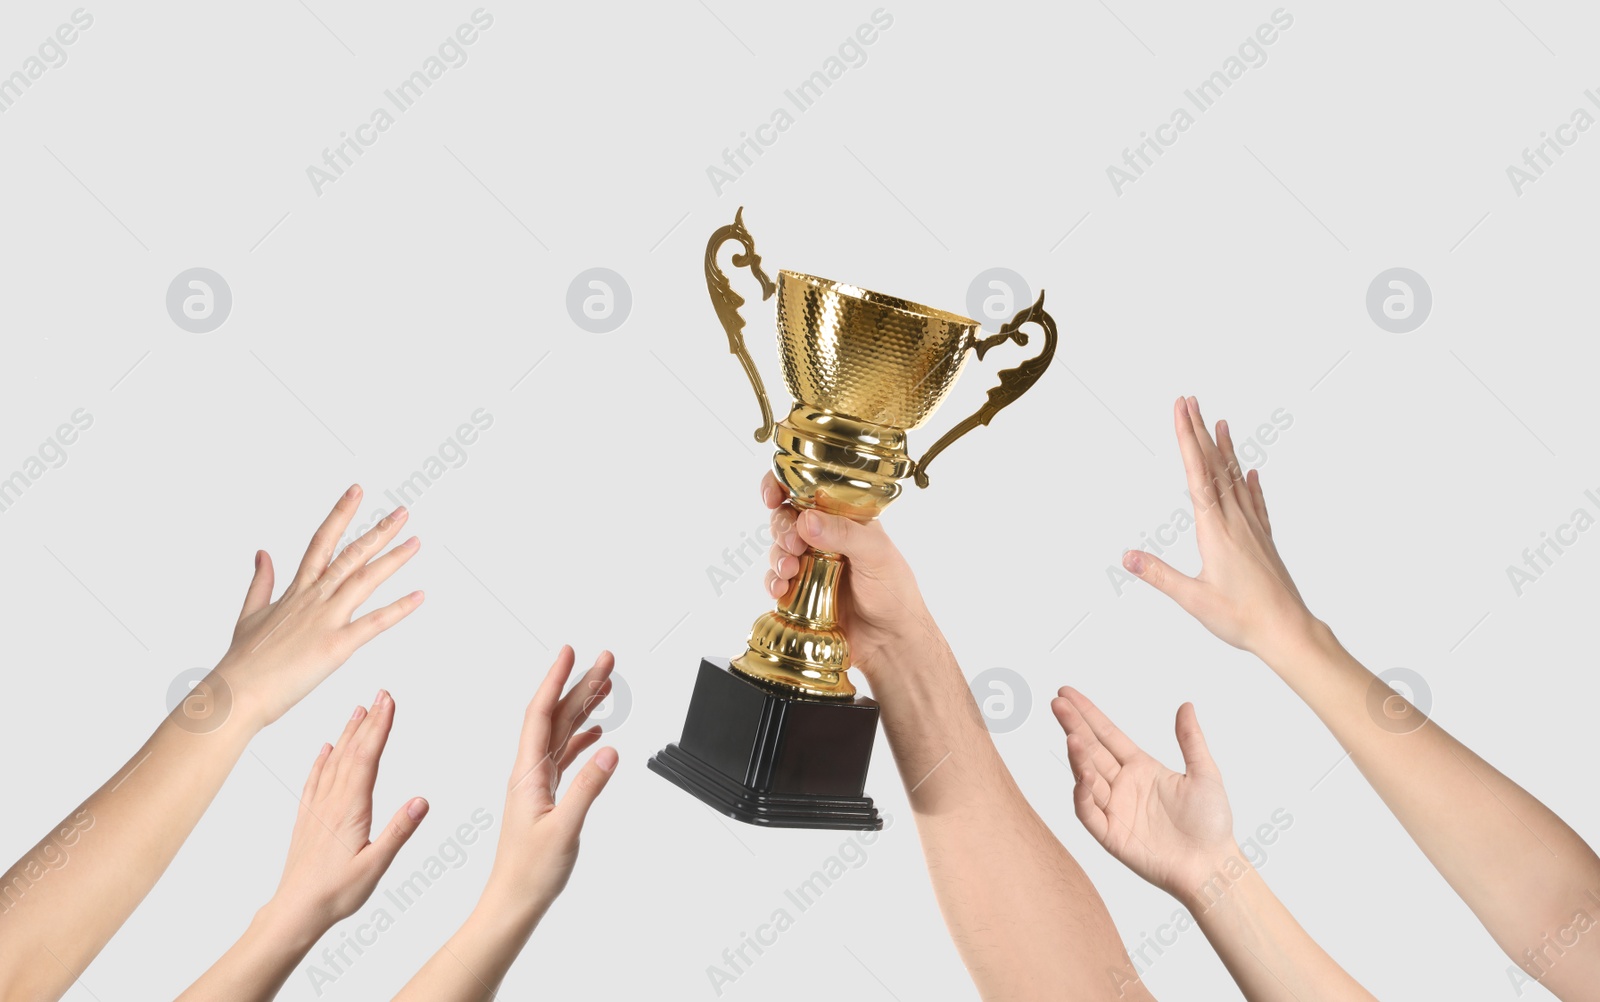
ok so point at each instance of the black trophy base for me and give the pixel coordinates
(765, 758)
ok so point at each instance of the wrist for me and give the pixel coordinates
(508, 908)
(1213, 880)
(284, 927)
(1294, 641)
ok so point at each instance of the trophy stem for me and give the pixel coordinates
(813, 598)
(798, 646)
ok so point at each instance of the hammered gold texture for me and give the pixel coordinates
(865, 355)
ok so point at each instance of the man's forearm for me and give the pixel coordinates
(62, 902)
(1515, 863)
(1025, 917)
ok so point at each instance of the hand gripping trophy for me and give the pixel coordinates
(778, 736)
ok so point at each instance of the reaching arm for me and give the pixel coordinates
(63, 900)
(1176, 831)
(1529, 878)
(1023, 914)
(538, 839)
(333, 865)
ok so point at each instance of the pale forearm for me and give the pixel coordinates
(106, 855)
(255, 968)
(1024, 916)
(473, 962)
(1271, 958)
(1515, 863)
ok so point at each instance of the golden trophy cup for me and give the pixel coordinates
(778, 736)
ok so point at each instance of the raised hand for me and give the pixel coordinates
(880, 607)
(1243, 593)
(282, 649)
(333, 867)
(141, 815)
(538, 837)
(334, 862)
(1173, 829)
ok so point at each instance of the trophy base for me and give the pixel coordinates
(770, 759)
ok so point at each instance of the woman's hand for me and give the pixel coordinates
(881, 610)
(1173, 829)
(1243, 593)
(539, 835)
(281, 650)
(334, 864)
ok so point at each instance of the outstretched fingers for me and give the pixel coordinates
(533, 745)
(362, 582)
(1089, 799)
(1220, 480)
(577, 745)
(378, 620)
(320, 551)
(1197, 473)
(360, 554)
(581, 700)
(1083, 748)
(586, 786)
(1108, 734)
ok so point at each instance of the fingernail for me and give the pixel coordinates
(326, 748)
(769, 494)
(353, 491)
(417, 809)
(606, 759)
(399, 514)
(360, 711)
(1222, 427)
(1133, 560)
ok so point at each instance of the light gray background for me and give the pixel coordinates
(426, 283)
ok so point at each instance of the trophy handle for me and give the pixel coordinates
(1013, 382)
(727, 303)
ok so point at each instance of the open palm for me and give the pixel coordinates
(1173, 829)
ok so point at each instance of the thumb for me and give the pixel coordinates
(259, 594)
(1197, 760)
(586, 786)
(865, 545)
(1159, 574)
(397, 832)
